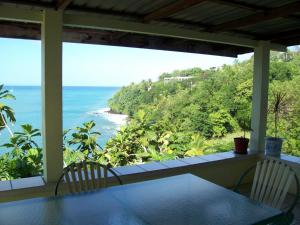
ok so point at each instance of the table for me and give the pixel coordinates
(177, 200)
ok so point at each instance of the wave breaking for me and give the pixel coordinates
(116, 118)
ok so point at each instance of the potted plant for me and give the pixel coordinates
(278, 106)
(241, 143)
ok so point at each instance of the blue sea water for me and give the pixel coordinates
(80, 104)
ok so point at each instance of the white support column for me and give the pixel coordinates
(52, 94)
(260, 96)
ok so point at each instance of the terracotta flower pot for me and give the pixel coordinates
(241, 145)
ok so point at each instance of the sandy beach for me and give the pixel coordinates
(116, 118)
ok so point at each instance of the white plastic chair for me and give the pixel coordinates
(85, 176)
(271, 183)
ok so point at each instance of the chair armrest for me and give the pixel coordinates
(242, 177)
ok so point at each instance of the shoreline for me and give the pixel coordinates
(109, 111)
(117, 118)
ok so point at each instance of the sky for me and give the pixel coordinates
(97, 65)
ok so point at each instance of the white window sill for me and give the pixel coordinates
(22, 183)
(177, 164)
(128, 173)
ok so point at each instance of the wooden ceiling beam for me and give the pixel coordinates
(193, 25)
(19, 14)
(62, 4)
(89, 36)
(241, 5)
(39, 4)
(180, 5)
(251, 7)
(94, 22)
(185, 23)
(20, 30)
(116, 36)
(285, 35)
(258, 17)
(171, 9)
(291, 41)
(152, 42)
(233, 3)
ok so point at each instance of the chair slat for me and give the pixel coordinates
(269, 168)
(276, 184)
(274, 173)
(79, 172)
(93, 178)
(255, 180)
(281, 184)
(99, 176)
(260, 179)
(68, 181)
(105, 177)
(75, 183)
(86, 175)
(285, 190)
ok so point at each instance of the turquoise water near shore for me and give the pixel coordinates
(80, 104)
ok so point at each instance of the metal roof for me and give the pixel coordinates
(271, 20)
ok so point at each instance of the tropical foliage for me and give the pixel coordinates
(209, 106)
(170, 119)
(25, 156)
(84, 139)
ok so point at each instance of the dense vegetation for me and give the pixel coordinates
(170, 118)
(182, 118)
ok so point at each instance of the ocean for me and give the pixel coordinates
(80, 104)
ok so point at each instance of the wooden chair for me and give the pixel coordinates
(86, 176)
(271, 183)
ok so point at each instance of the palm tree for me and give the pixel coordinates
(6, 113)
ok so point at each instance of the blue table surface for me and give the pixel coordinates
(177, 200)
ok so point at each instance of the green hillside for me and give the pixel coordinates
(175, 118)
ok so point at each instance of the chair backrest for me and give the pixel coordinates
(86, 176)
(272, 180)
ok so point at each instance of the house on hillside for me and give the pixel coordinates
(168, 79)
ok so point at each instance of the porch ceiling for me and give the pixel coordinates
(271, 20)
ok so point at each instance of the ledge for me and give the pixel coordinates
(38, 181)
(158, 169)
(127, 170)
(5, 185)
(29, 182)
(290, 159)
(36, 186)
